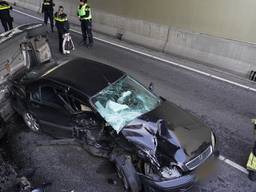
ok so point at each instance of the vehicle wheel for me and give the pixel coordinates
(31, 122)
(127, 173)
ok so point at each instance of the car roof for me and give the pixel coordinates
(87, 76)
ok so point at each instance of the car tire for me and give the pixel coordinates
(127, 173)
(31, 122)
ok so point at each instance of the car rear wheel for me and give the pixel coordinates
(31, 122)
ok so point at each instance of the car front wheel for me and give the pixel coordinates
(127, 173)
(31, 122)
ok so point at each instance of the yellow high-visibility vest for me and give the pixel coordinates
(4, 7)
(46, 3)
(82, 12)
(251, 163)
(60, 19)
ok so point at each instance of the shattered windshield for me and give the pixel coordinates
(123, 101)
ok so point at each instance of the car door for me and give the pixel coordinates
(50, 111)
(83, 114)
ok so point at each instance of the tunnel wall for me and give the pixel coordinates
(219, 33)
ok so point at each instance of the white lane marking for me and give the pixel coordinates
(157, 58)
(222, 158)
(37, 18)
(233, 164)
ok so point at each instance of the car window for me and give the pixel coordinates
(123, 101)
(35, 95)
(79, 106)
(49, 96)
(75, 104)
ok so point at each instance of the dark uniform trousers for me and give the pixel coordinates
(5, 16)
(47, 9)
(6, 22)
(86, 27)
(61, 41)
(48, 15)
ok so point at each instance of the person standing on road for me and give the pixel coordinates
(251, 163)
(47, 9)
(62, 25)
(5, 16)
(85, 15)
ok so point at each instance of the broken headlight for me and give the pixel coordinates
(163, 173)
(170, 172)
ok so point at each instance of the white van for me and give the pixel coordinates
(21, 49)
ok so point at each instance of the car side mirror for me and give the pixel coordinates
(151, 87)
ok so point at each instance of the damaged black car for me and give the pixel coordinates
(154, 144)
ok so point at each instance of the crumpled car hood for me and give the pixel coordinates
(170, 133)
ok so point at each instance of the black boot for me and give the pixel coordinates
(252, 175)
(254, 149)
(90, 45)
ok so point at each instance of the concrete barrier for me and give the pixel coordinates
(233, 56)
(29, 4)
(136, 31)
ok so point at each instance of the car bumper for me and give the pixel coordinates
(180, 184)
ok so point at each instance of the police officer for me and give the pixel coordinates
(251, 163)
(85, 15)
(5, 16)
(47, 9)
(62, 25)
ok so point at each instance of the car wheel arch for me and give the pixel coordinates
(123, 163)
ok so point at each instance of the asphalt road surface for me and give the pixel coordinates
(226, 108)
